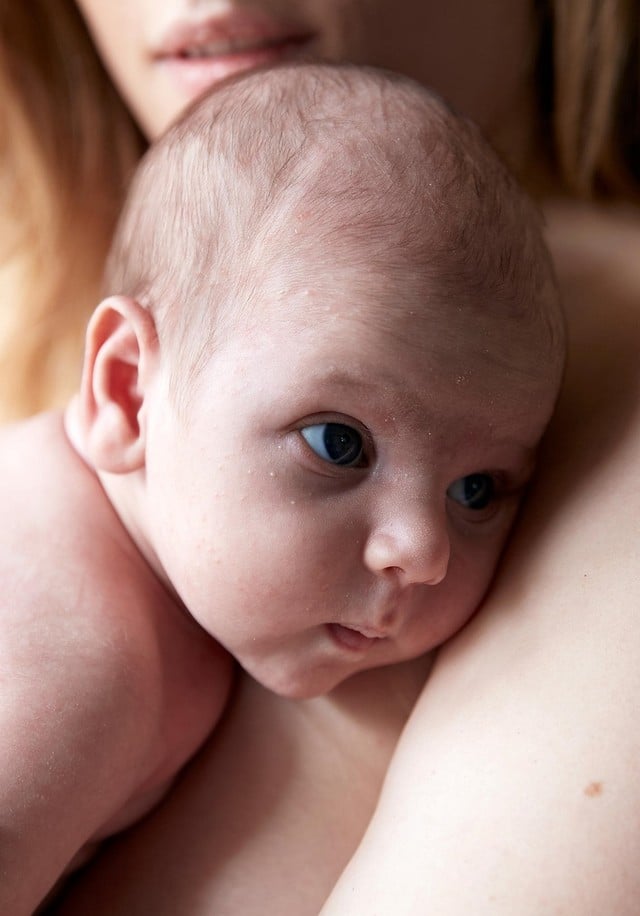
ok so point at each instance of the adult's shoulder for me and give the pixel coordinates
(595, 250)
(597, 255)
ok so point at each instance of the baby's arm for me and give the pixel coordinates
(98, 711)
(68, 759)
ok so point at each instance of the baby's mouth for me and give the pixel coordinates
(355, 640)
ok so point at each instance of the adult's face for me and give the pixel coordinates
(164, 53)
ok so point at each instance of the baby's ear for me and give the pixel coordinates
(120, 351)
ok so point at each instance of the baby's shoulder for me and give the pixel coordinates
(48, 494)
(43, 491)
(61, 544)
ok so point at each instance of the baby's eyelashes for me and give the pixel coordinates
(475, 491)
(482, 495)
(336, 443)
(337, 446)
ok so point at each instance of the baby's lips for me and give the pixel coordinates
(356, 640)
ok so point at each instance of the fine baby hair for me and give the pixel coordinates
(279, 160)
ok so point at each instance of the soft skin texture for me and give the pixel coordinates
(387, 548)
(107, 688)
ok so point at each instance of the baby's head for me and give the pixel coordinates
(317, 395)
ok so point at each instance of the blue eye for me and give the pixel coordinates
(476, 491)
(336, 443)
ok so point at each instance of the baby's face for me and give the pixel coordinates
(350, 461)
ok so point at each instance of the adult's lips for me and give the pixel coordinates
(199, 53)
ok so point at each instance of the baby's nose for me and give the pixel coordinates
(415, 546)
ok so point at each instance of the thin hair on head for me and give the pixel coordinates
(300, 159)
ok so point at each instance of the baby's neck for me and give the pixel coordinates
(124, 492)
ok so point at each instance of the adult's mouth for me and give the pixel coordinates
(197, 54)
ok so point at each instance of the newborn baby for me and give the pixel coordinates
(309, 409)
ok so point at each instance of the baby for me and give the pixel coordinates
(304, 426)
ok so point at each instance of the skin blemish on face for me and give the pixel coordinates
(594, 789)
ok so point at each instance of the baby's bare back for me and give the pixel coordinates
(107, 685)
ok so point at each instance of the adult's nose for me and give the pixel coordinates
(413, 545)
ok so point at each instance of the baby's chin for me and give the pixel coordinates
(300, 684)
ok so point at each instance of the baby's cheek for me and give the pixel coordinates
(481, 569)
(468, 579)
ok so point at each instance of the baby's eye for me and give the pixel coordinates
(336, 443)
(475, 491)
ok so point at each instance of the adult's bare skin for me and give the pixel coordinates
(513, 788)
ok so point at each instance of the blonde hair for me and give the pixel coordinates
(67, 147)
(590, 93)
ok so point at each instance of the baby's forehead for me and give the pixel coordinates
(453, 214)
(431, 370)
(420, 308)
(356, 184)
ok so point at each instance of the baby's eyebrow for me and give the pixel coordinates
(400, 405)
(342, 379)
(336, 377)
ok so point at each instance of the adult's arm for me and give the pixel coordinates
(516, 785)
